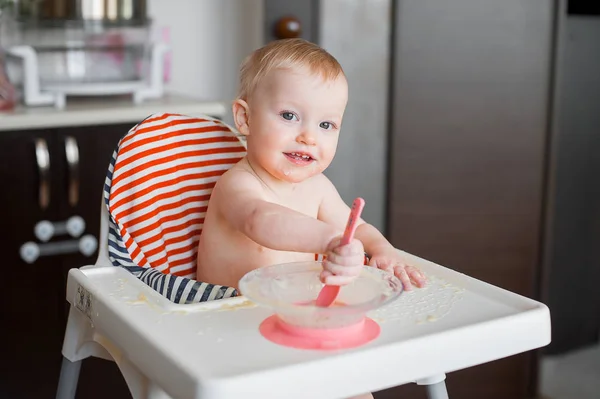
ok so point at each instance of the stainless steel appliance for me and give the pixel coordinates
(60, 48)
(63, 12)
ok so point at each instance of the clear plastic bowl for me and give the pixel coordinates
(290, 289)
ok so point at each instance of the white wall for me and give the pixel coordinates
(209, 39)
(357, 33)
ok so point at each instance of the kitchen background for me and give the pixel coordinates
(472, 132)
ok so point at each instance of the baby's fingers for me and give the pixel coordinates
(401, 273)
(353, 260)
(416, 276)
(342, 270)
(324, 275)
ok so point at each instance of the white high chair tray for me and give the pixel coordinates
(213, 350)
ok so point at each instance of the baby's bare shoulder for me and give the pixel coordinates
(237, 179)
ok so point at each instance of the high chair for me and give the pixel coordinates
(140, 306)
(142, 228)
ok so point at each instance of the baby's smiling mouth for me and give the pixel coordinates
(299, 157)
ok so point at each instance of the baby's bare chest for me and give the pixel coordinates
(306, 204)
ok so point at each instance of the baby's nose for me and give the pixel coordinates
(307, 137)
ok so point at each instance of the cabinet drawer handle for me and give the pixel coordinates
(42, 157)
(31, 251)
(72, 154)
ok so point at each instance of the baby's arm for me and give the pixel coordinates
(333, 210)
(383, 254)
(243, 205)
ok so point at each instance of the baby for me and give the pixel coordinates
(276, 205)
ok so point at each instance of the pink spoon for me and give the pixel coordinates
(330, 292)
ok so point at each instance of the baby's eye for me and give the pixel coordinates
(288, 116)
(326, 125)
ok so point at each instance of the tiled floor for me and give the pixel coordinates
(574, 375)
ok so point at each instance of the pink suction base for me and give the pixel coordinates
(279, 332)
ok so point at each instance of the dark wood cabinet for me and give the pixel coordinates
(468, 154)
(95, 146)
(34, 310)
(573, 253)
(31, 308)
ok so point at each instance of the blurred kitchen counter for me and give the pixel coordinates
(105, 111)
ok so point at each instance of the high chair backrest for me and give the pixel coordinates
(158, 186)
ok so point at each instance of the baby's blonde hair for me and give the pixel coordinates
(285, 53)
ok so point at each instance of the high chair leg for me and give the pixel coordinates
(69, 375)
(436, 386)
(437, 391)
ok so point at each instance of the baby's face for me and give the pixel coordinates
(294, 123)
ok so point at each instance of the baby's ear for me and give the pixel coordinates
(241, 116)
